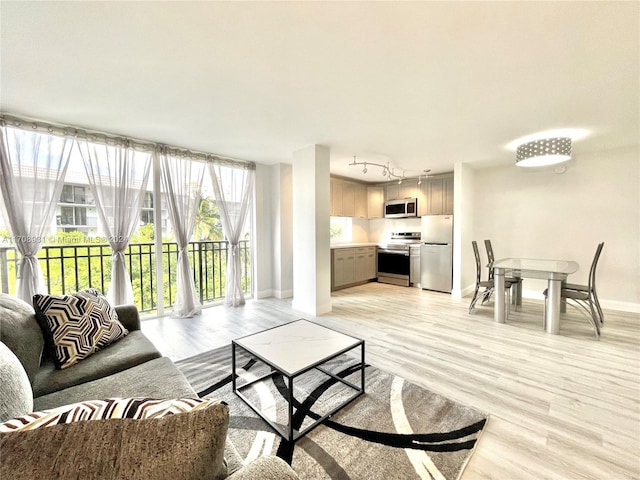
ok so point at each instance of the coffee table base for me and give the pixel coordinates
(290, 433)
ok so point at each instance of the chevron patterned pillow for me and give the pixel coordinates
(133, 408)
(78, 325)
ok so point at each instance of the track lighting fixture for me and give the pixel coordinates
(389, 172)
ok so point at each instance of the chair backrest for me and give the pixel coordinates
(594, 264)
(489, 248)
(478, 266)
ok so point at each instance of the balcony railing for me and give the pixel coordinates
(69, 268)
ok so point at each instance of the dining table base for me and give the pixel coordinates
(554, 271)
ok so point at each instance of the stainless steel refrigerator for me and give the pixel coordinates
(436, 253)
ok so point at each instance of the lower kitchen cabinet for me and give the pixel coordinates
(351, 266)
(414, 265)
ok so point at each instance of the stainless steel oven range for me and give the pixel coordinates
(394, 258)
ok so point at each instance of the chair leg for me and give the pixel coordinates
(487, 295)
(508, 300)
(597, 302)
(589, 313)
(474, 299)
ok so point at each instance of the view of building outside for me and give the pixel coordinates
(76, 254)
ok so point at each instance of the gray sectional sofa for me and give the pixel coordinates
(131, 367)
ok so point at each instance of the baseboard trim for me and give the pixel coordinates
(283, 294)
(466, 291)
(265, 294)
(629, 307)
(620, 306)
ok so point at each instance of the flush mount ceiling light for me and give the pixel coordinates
(546, 151)
(389, 172)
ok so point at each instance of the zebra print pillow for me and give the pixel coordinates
(133, 408)
(78, 325)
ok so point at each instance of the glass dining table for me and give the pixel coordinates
(555, 271)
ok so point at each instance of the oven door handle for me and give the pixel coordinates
(394, 252)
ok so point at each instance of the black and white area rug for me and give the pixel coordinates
(396, 430)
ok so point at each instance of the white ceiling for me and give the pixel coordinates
(422, 85)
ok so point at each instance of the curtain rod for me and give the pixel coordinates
(70, 131)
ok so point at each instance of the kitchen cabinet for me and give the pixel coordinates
(351, 266)
(336, 198)
(343, 266)
(435, 196)
(371, 263)
(414, 265)
(375, 202)
(448, 195)
(348, 199)
(361, 201)
(391, 192)
(398, 191)
(409, 188)
(360, 265)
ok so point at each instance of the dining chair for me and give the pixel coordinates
(583, 297)
(488, 285)
(592, 289)
(516, 282)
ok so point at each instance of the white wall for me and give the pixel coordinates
(538, 213)
(311, 246)
(273, 231)
(263, 231)
(359, 230)
(464, 269)
(282, 211)
(380, 229)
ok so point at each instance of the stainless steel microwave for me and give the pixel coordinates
(407, 207)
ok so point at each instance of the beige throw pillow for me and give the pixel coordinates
(185, 446)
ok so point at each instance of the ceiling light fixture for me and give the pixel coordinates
(546, 151)
(426, 175)
(389, 172)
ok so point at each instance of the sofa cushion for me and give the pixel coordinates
(20, 332)
(16, 397)
(132, 350)
(135, 408)
(77, 325)
(158, 378)
(183, 446)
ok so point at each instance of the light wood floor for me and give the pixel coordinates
(565, 406)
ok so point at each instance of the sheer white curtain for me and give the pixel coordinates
(32, 170)
(232, 187)
(118, 176)
(182, 186)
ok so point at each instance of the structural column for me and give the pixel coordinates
(311, 249)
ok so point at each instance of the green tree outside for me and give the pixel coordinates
(71, 262)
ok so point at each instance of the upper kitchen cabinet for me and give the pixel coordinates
(406, 189)
(336, 198)
(448, 195)
(348, 199)
(391, 192)
(375, 201)
(435, 196)
(361, 201)
(409, 188)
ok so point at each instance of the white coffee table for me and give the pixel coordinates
(292, 350)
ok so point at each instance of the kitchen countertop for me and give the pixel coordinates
(352, 245)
